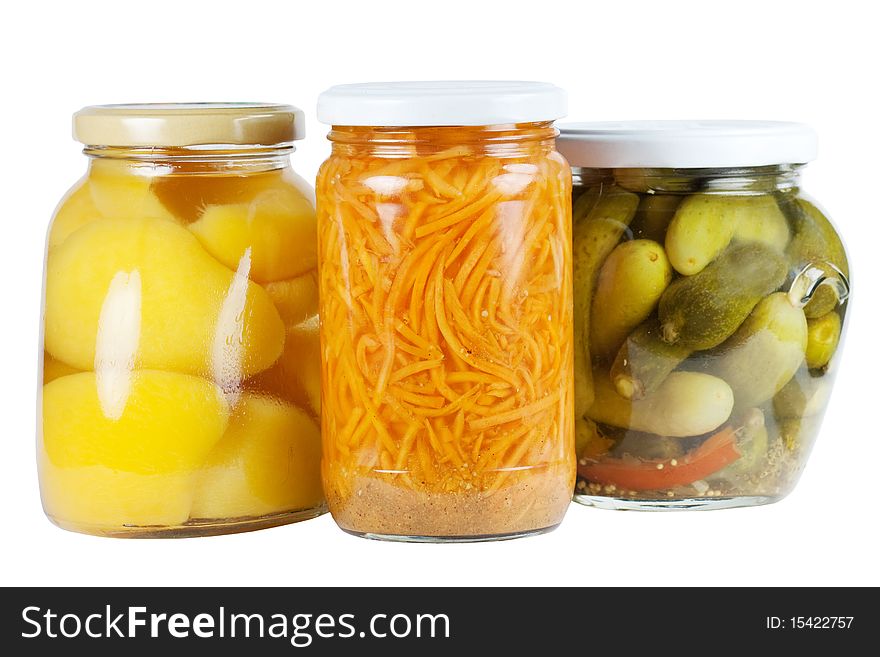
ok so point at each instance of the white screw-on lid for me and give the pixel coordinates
(449, 103)
(686, 144)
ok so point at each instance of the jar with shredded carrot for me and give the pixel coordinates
(446, 311)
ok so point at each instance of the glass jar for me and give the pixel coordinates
(445, 286)
(181, 379)
(710, 300)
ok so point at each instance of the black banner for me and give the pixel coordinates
(327, 621)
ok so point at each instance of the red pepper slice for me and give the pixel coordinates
(717, 452)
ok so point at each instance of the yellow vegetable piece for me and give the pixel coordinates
(823, 334)
(296, 377)
(167, 422)
(804, 395)
(685, 404)
(278, 229)
(75, 210)
(594, 236)
(816, 244)
(702, 227)
(764, 352)
(296, 299)
(267, 462)
(644, 361)
(96, 497)
(188, 194)
(148, 283)
(54, 368)
(763, 222)
(118, 192)
(630, 284)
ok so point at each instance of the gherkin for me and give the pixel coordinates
(703, 310)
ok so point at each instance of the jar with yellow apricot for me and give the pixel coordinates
(181, 375)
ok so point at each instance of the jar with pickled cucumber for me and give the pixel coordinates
(180, 368)
(710, 297)
(445, 279)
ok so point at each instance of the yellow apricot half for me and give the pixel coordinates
(167, 422)
(54, 368)
(105, 467)
(187, 193)
(96, 498)
(145, 289)
(278, 228)
(296, 376)
(295, 299)
(75, 210)
(267, 462)
(120, 191)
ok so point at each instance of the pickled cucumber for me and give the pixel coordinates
(585, 203)
(797, 434)
(583, 380)
(644, 361)
(823, 334)
(761, 220)
(765, 352)
(594, 237)
(701, 311)
(705, 224)
(647, 181)
(701, 229)
(804, 395)
(628, 288)
(653, 215)
(815, 243)
(685, 404)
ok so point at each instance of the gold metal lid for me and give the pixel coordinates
(188, 124)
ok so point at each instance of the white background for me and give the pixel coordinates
(816, 63)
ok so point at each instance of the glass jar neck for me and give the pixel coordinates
(728, 180)
(508, 140)
(193, 160)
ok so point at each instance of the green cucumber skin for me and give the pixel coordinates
(701, 311)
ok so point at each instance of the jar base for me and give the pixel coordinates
(674, 504)
(484, 538)
(194, 528)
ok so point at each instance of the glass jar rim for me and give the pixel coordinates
(188, 124)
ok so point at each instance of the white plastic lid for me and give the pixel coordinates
(686, 144)
(449, 103)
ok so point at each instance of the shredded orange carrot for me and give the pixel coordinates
(445, 312)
